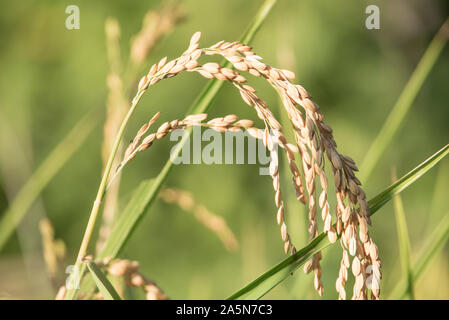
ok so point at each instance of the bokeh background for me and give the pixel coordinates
(51, 77)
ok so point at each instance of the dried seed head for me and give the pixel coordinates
(194, 118)
(155, 117)
(195, 38)
(143, 84)
(191, 65)
(211, 67)
(205, 74)
(228, 73)
(161, 63)
(332, 235)
(288, 74)
(119, 268)
(313, 139)
(244, 123)
(308, 267)
(356, 266)
(230, 118)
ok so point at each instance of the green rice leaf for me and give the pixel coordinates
(128, 219)
(404, 244)
(27, 195)
(273, 277)
(104, 285)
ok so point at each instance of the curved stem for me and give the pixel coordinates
(101, 191)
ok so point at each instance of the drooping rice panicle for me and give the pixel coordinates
(313, 138)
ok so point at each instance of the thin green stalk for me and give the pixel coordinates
(434, 245)
(404, 243)
(96, 207)
(101, 190)
(131, 76)
(404, 102)
(116, 106)
(378, 201)
(43, 175)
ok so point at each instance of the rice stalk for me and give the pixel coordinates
(115, 110)
(156, 24)
(202, 103)
(313, 138)
(403, 241)
(286, 57)
(148, 191)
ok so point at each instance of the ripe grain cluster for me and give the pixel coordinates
(314, 145)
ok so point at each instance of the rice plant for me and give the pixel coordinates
(324, 180)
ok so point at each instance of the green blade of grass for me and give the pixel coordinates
(127, 220)
(270, 279)
(43, 175)
(404, 102)
(378, 201)
(434, 245)
(263, 284)
(104, 285)
(122, 227)
(404, 243)
(202, 104)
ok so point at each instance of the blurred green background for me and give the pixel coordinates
(51, 77)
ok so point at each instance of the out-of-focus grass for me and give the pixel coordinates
(46, 171)
(433, 245)
(405, 101)
(403, 242)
